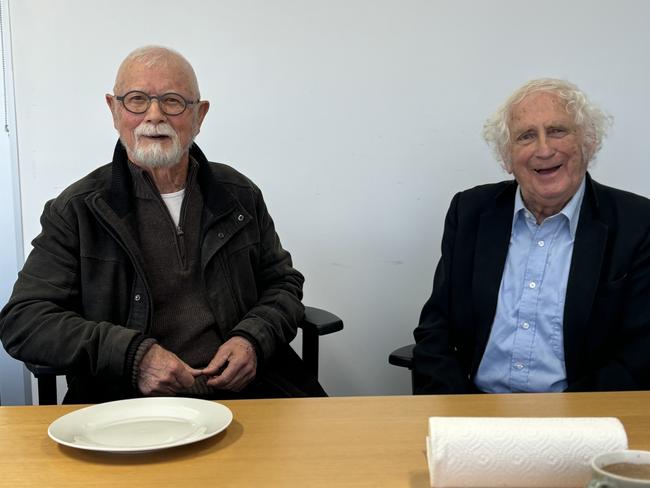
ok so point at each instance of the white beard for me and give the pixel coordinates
(152, 154)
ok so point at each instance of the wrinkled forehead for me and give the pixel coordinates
(540, 106)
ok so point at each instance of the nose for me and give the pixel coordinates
(154, 114)
(543, 149)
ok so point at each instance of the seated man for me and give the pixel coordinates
(160, 273)
(544, 281)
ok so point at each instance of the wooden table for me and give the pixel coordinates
(350, 442)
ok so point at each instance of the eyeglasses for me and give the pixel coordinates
(138, 102)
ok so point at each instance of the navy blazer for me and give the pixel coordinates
(607, 306)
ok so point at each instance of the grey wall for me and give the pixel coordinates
(359, 119)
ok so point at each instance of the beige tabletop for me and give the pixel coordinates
(353, 441)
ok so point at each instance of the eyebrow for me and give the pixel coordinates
(549, 125)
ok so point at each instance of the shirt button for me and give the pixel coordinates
(525, 325)
(220, 235)
(240, 217)
(532, 284)
(540, 243)
(137, 297)
(519, 366)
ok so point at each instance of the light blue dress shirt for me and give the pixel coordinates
(525, 351)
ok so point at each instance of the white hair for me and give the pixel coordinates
(590, 119)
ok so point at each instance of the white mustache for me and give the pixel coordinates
(147, 129)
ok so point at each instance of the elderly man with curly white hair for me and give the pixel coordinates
(544, 280)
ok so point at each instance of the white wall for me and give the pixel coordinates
(359, 119)
(13, 390)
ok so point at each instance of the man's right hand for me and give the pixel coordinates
(162, 373)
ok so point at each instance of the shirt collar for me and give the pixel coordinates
(571, 210)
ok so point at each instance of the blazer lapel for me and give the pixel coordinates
(586, 263)
(493, 240)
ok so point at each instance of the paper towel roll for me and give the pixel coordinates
(518, 452)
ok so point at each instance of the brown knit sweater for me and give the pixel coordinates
(182, 321)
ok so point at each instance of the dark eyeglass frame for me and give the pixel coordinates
(156, 97)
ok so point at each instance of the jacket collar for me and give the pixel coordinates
(588, 254)
(490, 252)
(216, 196)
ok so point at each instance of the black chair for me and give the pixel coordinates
(403, 357)
(317, 322)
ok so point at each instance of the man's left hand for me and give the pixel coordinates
(233, 366)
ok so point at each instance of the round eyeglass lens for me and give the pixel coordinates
(136, 102)
(139, 102)
(172, 104)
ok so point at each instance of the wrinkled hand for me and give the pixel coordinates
(233, 366)
(163, 373)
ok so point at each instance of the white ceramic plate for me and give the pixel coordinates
(140, 424)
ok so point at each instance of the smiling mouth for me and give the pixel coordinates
(155, 137)
(548, 171)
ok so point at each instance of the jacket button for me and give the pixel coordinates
(220, 235)
(137, 297)
(240, 217)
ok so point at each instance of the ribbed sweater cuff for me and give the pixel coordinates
(139, 353)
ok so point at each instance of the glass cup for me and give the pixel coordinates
(620, 469)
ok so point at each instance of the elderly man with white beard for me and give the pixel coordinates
(160, 273)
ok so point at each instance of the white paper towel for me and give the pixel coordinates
(518, 452)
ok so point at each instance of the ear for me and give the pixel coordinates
(588, 151)
(204, 106)
(202, 110)
(112, 105)
(506, 160)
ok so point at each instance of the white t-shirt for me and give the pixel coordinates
(174, 201)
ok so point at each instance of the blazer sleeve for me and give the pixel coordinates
(435, 362)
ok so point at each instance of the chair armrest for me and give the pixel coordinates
(321, 322)
(37, 370)
(402, 356)
(317, 322)
(46, 379)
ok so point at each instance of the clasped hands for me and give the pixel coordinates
(163, 373)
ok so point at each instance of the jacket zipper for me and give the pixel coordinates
(178, 229)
